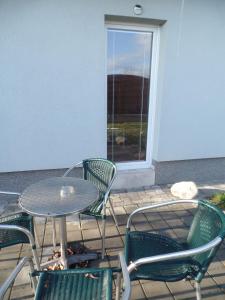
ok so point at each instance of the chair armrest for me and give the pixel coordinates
(70, 169)
(28, 234)
(126, 277)
(10, 193)
(15, 272)
(175, 255)
(156, 206)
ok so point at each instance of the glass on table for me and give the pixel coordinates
(66, 191)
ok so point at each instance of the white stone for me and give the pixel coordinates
(184, 190)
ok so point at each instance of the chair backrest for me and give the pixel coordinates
(14, 237)
(101, 172)
(208, 223)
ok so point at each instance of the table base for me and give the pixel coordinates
(71, 260)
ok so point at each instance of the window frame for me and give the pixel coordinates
(152, 92)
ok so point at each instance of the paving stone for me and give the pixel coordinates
(113, 239)
(210, 290)
(217, 272)
(156, 291)
(22, 292)
(88, 222)
(182, 290)
(137, 292)
(92, 239)
(171, 220)
(74, 233)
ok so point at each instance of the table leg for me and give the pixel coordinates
(63, 240)
(54, 233)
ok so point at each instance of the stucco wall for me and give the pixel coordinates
(52, 80)
(193, 96)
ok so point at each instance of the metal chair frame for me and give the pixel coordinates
(25, 231)
(35, 226)
(106, 199)
(9, 281)
(30, 237)
(175, 255)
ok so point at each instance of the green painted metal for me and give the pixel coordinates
(208, 223)
(13, 237)
(144, 244)
(76, 284)
(100, 172)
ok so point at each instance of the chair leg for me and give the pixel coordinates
(36, 234)
(54, 233)
(113, 212)
(103, 237)
(118, 286)
(33, 278)
(35, 255)
(198, 291)
(79, 222)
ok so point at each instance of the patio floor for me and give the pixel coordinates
(171, 221)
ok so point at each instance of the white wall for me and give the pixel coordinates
(51, 84)
(192, 113)
(52, 80)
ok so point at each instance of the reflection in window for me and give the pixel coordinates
(128, 83)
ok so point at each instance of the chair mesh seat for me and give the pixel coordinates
(13, 237)
(143, 244)
(75, 284)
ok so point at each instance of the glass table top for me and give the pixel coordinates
(58, 196)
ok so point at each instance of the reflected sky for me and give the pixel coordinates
(129, 52)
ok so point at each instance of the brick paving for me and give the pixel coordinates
(172, 221)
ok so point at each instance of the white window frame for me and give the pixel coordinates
(152, 93)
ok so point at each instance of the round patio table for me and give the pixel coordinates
(59, 197)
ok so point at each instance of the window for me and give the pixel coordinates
(129, 82)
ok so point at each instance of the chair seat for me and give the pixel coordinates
(143, 244)
(75, 284)
(13, 237)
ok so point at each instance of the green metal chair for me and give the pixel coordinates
(18, 228)
(157, 257)
(76, 284)
(100, 172)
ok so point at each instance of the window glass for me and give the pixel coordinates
(128, 83)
